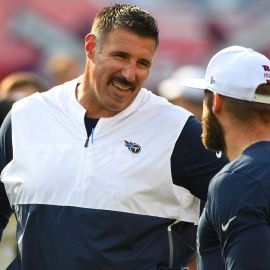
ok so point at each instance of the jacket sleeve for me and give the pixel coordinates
(5, 157)
(192, 165)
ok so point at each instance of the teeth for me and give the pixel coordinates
(121, 86)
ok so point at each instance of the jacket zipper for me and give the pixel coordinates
(91, 135)
(171, 243)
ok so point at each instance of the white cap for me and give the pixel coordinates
(235, 72)
(172, 88)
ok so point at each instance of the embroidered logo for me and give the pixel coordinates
(212, 80)
(133, 147)
(218, 154)
(266, 73)
(226, 226)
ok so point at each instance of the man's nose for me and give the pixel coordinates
(129, 71)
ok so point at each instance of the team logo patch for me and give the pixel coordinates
(266, 73)
(218, 154)
(212, 81)
(133, 147)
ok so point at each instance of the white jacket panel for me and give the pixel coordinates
(51, 165)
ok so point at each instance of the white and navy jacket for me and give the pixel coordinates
(110, 204)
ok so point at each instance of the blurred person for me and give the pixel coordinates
(8, 244)
(178, 94)
(20, 84)
(100, 172)
(63, 68)
(234, 229)
(5, 107)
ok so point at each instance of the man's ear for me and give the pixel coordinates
(90, 42)
(217, 104)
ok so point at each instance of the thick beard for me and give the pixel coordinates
(212, 135)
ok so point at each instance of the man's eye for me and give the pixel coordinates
(120, 56)
(144, 64)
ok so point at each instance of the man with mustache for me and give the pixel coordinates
(105, 175)
(234, 229)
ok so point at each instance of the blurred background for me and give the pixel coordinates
(33, 32)
(46, 38)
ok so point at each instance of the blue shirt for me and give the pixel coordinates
(234, 229)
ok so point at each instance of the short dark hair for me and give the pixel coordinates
(129, 17)
(245, 110)
(20, 79)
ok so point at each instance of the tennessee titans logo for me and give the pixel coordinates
(133, 147)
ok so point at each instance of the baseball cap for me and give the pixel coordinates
(171, 88)
(235, 72)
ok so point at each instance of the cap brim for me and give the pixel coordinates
(194, 83)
